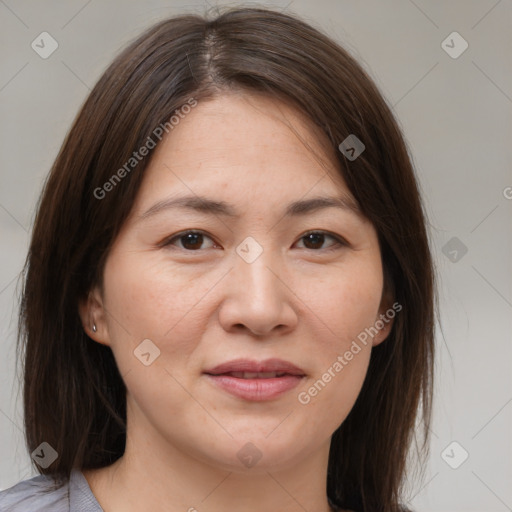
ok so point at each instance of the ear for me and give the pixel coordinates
(92, 312)
(385, 318)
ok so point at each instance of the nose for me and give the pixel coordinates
(257, 297)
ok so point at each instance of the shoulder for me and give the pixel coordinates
(45, 493)
(39, 494)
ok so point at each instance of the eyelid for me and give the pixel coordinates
(168, 240)
(340, 241)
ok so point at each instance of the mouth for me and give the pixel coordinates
(255, 375)
(256, 381)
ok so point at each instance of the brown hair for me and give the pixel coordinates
(74, 396)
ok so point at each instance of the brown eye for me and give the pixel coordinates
(190, 240)
(315, 239)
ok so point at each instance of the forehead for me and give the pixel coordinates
(247, 148)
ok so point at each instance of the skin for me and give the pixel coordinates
(303, 301)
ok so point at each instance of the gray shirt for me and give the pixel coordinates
(38, 494)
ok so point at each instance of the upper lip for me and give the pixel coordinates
(247, 365)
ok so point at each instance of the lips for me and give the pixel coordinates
(256, 375)
(256, 381)
(263, 368)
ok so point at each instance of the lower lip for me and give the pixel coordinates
(256, 390)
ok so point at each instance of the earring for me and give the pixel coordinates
(94, 328)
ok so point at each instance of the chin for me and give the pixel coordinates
(258, 453)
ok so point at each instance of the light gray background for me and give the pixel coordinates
(456, 115)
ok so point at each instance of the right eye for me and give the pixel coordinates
(191, 240)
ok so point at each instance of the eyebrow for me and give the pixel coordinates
(206, 205)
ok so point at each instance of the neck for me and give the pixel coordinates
(155, 475)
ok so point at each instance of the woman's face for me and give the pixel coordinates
(249, 288)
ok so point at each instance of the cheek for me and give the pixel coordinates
(153, 300)
(149, 300)
(347, 304)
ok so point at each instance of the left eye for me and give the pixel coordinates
(192, 240)
(317, 237)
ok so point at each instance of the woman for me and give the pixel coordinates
(229, 293)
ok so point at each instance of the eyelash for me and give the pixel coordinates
(340, 242)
